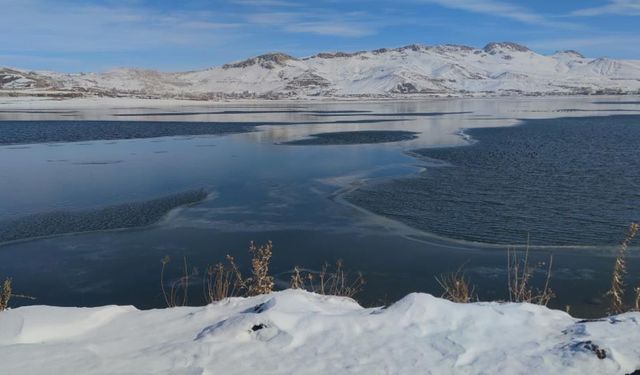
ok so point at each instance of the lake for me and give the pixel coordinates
(400, 190)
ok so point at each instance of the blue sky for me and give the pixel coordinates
(93, 35)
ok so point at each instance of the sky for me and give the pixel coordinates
(178, 35)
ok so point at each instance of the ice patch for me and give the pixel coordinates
(129, 215)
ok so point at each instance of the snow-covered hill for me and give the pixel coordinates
(496, 69)
(298, 332)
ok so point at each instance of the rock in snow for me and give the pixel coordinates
(497, 69)
(299, 332)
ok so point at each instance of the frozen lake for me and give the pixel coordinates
(93, 198)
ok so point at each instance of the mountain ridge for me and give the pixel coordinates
(499, 68)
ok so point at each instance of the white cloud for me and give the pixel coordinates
(332, 28)
(266, 3)
(16, 60)
(622, 7)
(350, 25)
(501, 9)
(37, 25)
(619, 43)
(41, 26)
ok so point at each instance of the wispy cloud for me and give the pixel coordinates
(502, 9)
(266, 3)
(622, 7)
(98, 34)
(14, 60)
(350, 25)
(621, 43)
(333, 28)
(70, 26)
(36, 25)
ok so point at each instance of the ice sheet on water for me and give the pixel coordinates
(356, 137)
(128, 215)
(27, 132)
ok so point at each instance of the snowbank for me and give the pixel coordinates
(295, 331)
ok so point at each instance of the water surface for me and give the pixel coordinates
(259, 189)
(561, 182)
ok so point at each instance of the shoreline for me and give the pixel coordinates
(133, 102)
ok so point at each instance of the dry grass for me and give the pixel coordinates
(297, 280)
(334, 281)
(455, 287)
(5, 294)
(222, 282)
(616, 292)
(227, 281)
(178, 293)
(260, 281)
(520, 273)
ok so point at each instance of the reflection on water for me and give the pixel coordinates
(263, 190)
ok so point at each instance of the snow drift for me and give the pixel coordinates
(497, 69)
(296, 331)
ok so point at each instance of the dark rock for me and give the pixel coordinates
(267, 61)
(494, 47)
(258, 327)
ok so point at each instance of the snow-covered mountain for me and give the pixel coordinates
(496, 69)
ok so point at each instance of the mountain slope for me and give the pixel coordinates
(496, 69)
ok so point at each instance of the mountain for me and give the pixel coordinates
(497, 69)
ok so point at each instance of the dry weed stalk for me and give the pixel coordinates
(297, 282)
(455, 287)
(617, 278)
(636, 305)
(334, 282)
(519, 277)
(5, 294)
(222, 282)
(260, 281)
(178, 294)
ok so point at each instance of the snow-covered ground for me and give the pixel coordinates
(299, 332)
(496, 69)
